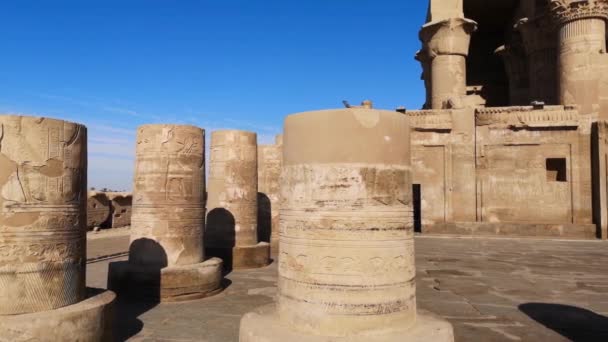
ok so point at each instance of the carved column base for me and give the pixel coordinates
(169, 284)
(265, 325)
(89, 320)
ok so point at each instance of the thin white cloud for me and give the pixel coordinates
(111, 150)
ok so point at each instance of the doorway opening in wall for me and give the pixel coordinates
(416, 202)
(556, 170)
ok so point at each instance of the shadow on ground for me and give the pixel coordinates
(126, 313)
(576, 324)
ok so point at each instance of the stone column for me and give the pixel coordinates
(346, 270)
(269, 173)
(582, 52)
(232, 201)
(516, 68)
(446, 45)
(43, 198)
(539, 41)
(166, 258)
(425, 61)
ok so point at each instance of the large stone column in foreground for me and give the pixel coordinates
(166, 258)
(43, 169)
(232, 231)
(269, 173)
(346, 270)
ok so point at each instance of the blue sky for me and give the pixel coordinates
(241, 64)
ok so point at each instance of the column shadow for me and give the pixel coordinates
(264, 218)
(220, 236)
(574, 323)
(137, 285)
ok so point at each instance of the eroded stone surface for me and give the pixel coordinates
(269, 173)
(346, 263)
(121, 209)
(98, 209)
(232, 189)
(168, 204)
(490, 290)
(42, 214)
(515, 132)
(232, 203)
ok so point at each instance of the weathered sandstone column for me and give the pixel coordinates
(446, 44)
(269, 173)
(232, 230)
(43, 198)
(425, 60)
(516, 68)
(582, 51)
(346, 270)
(98, 209)
(168, 218)
(540, 47)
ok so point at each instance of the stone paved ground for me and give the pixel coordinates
(490, 289)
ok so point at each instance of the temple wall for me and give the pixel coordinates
(518, 165)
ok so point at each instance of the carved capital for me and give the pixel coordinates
(515, 64)
(447, 37)
(537, 34)
(564, 11)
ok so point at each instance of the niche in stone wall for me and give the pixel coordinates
(556, 170)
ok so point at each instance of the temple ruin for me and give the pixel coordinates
(43, 170)
(232, 205)
(346, 265)
(511, 139)
(166, 256)
(121, 207)
(269, 173)
(98, 209)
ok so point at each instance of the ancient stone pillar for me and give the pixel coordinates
(43, 198)
(269, 173)
(346, 270)
(425, 61)
(539, 41)
(516, 67)
(98, 209)
(446, 45)
(168, 218)
(582, 51)
(232, 201)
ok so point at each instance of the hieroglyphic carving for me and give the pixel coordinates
(233, 186)
(346, 226)
(523, 117)
(42, 214)
(168, 204)
(430, 119)
(520, 171)
(566, 11)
